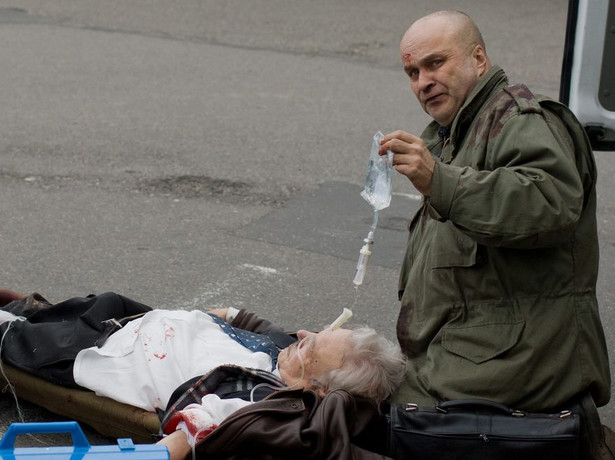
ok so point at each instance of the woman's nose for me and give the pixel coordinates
(301, 334)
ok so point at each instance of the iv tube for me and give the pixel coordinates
(365, 252)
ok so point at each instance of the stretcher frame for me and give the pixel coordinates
(108, 417)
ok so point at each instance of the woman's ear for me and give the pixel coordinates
(320, 389)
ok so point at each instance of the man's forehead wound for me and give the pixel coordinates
(408, 53)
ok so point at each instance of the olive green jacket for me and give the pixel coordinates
(498, 285)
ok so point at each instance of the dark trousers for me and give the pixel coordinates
(47, 342)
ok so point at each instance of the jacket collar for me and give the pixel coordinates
(487, 85)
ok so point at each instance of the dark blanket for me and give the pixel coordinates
(47, 342)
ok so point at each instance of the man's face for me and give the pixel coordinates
(319, 352)
(443, 68)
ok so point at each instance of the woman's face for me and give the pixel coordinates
(312, 356)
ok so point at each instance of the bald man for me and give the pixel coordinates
(498, 284)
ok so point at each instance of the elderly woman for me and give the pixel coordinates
(126, 351)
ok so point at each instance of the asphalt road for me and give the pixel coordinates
(209, 154)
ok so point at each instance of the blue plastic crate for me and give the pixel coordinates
(81, 448)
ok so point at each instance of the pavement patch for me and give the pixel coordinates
(333, 220)
(198, 186)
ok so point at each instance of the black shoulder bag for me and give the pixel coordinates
(480, 429)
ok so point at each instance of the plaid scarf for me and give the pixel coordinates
(225, 381)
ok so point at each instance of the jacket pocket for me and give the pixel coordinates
(453, 248)
(482, 342)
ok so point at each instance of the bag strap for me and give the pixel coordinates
(592, 434)
(476, 403)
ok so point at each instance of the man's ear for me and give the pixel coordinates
(481, 60)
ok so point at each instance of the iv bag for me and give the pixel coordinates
(377, 191)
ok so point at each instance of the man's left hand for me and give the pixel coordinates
(411, 158)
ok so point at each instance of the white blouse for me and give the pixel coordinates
(145, 361)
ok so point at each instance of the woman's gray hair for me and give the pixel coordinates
(373, 366)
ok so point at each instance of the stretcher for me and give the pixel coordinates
(108, 417)
(81, 449)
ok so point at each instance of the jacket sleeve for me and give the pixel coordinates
(527, 194)
(251, 322)
(299, 424)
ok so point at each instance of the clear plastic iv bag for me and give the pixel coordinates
(377, 190)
